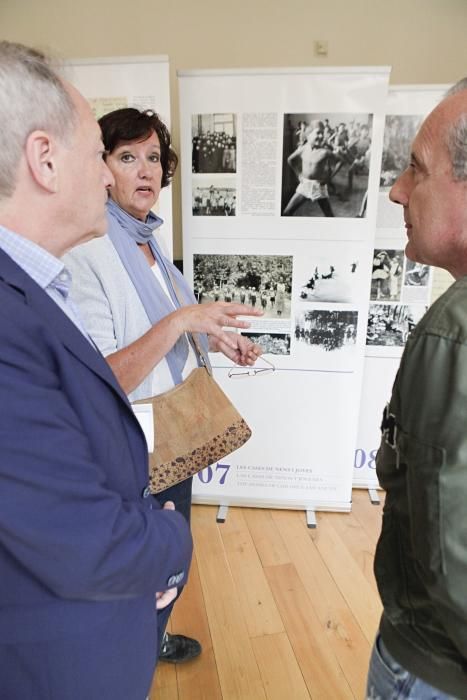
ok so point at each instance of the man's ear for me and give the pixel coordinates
(41, 157)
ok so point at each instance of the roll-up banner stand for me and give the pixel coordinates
(400, 290)
(280, 183)
(129, 81)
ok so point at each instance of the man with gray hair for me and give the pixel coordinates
(86, 558)
(421, 558)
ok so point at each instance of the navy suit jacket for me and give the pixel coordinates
(82, 548)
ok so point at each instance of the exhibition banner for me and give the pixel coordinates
(400, 290)
(280, 185)
(129, 81)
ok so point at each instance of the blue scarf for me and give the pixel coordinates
(126, 232)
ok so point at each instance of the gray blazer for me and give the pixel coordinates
(107, 301)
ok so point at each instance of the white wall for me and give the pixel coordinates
(423, 40)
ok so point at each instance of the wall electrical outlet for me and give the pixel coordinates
(321, 47)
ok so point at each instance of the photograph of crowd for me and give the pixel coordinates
(389, 325)
(264, 281)
(218, 197)
(329, 330)
(386, 275)
(416, 274)
(325, 165)
(272, 343)
(214, 143)
(399, 132)
(330, 281)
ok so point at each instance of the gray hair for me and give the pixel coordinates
(457, 136)
(32, 96)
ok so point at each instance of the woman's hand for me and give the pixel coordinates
(212, 318)
(245, 353)
(134, 362)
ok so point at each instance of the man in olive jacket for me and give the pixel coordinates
(421, 558)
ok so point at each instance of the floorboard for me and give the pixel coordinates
(282, 611)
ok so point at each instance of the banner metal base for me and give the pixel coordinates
(222, 514)
(311, 519)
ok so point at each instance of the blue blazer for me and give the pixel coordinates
(83, 550)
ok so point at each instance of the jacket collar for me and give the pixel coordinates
(58, 322)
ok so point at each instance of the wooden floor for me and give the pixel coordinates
(283, 612)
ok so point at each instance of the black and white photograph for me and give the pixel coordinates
(271, 343)
(325, 166)
(416, 274)
(330, 279)
(215, 196)
(214, 143)
(389, 325)
(327, 337)
(263, 281)
(387, 274)
(399, 132)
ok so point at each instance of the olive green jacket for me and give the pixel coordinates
(421, 558)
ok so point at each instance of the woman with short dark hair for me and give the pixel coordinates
(136, 305)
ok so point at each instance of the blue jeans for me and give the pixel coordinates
(388, 680)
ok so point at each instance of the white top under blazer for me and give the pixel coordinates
(111, 310)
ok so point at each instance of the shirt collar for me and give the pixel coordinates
(44, 268)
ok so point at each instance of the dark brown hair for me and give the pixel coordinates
(130, 124)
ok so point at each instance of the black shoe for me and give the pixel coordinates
(176, 648)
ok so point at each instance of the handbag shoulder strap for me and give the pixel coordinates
(193, 337)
